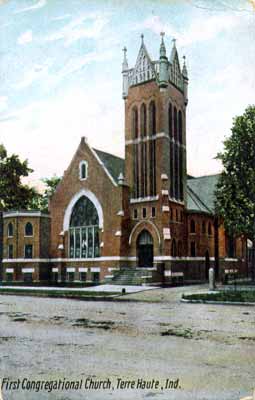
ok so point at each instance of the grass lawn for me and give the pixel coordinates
(223, 296)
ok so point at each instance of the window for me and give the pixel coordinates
(203, 227)
(173, 250)
(180, 126)
(10, 251)
(54, 276)
(193, 249)
(171, 214)
(176, 215)
(84, 230)
(192, 226)
(83, 170)
(153, 212)
(143, 120)
(10, 230)
(9, 277)
(28, 251)
(209, 229)
(170, 120)
(152, 149)
(95, 276)
(70, 276)
(134, 123)
(144, 213)
(28, 277)
(29, 229)
(181, 216)
(152, 118)
(135, 213)
(83, 276)
(175, 124)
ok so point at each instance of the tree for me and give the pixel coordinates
(235, 193)
(50, 188)
(13, 193)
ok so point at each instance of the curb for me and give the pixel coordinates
(223, 303)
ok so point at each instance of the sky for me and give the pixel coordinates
(60, 73)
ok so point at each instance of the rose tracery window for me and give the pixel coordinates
(84, 230)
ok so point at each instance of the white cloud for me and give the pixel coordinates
(39, 71)
(199, 30)
(47, 124)
(156, 25)
(25, 38)
(3, 103)
(61, 17)
(39, 4)
(76, 30)
(76, 64)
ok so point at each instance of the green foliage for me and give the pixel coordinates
(235, 193)
(51, 185)
(13, 193)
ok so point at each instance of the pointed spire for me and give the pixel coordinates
(162, 46)
(174, 51)
(142, 36)
(184, 68)
(163, 64)
(125, 61)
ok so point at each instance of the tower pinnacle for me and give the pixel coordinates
(162, 46)
(125, 61)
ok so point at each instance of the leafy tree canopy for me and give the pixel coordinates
(235, 193)
(13, 193)
(50, 186)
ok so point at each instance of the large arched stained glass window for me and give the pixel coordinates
(84, 230)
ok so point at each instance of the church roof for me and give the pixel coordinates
(200, 190)
(200, 193)
(114, 165)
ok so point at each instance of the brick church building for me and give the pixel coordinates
(144, 213)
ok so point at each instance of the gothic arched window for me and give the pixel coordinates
(170, 120)
(175, 123)
(10, 230)
(193, 249)
(192, 226)
(83, 170)
(152, 118)
(180, 126)
(29, 229)
(134, 123)
(152, 150)
(173, 249)
(84, 230)
(143, 118)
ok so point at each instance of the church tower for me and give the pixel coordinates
(156, 96)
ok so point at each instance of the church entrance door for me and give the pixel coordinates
(145, 250)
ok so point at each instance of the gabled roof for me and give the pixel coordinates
(114, 165)
(201, 193)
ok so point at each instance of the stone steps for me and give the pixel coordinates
(129, 276)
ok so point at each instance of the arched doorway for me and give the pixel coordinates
(145, 249)
(207, 265)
